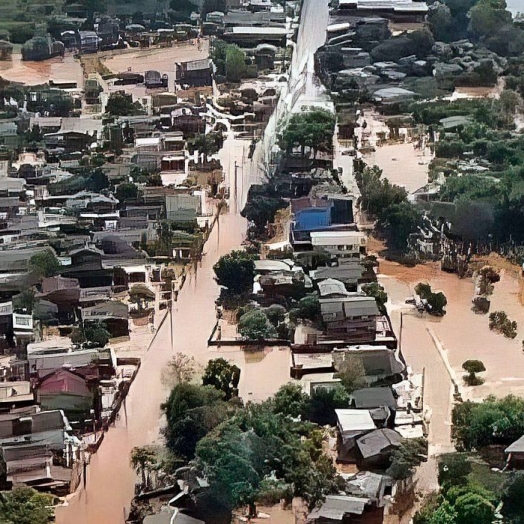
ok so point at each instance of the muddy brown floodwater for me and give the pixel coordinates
(34, 73)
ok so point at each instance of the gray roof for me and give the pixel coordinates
(109, 309)
(355, 306)
(345, 273)
(516, 447)
(374, 443)
(330, 286)
(368, 398)
(336, 506)
(367, 484)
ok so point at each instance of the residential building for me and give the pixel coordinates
(195, 73)
(343, 244)
(350, 319)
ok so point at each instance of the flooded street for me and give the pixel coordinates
(57, 69)
(110, 479)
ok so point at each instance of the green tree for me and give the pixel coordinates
(96, 335)
(25, 506)
(235, 63)
(444, 514)
(311, 129)
(143, 459)
(223, 376)
(398, 222)
(493, 421)
(473, 367)
(44, 264)
(374, 289)
(513, 501)
(323, 403)
(291, 401)
(206, 144)
(351, 374)
(473, 508)
(453, 470)
(488, 17)
(257, 443)
(499, 321)
(407, 457)
(235, 271)
(126, 191)
(121, 104)
(308, 308)
(261, 210)
(25, 301)
(191, 412)
(254, 325)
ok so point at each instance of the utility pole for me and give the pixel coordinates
(236, 186)
(171, 320)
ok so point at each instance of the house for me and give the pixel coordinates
(249, 35)
(64, 292)
(194, 73)
(351, 274)
(66, 390)
(42, 427)
(374, 449)
(398, 10)
(378, 362)
(331, 288)
(46, 356)
(346, 509)
(88, 41)
(350, 319)
(515, 454)
(17, 260)
(16, 394)
(9, 135)
(370, 398)
(344, 244)
(183, 207)
(351, 425)
(113, 313)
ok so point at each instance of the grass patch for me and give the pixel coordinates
(482, 475)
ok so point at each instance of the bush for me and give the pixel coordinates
(453, 469)
(499, 322)
(254, 325)
(235, 271)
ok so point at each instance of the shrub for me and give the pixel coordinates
(499, 322)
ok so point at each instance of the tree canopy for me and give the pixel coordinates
(254, 325)
(311, 129)
(493, 421)
(235, 271)
(44, 264)
(192, 411)
(223, 376)
(25, 506)
(259, 451)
